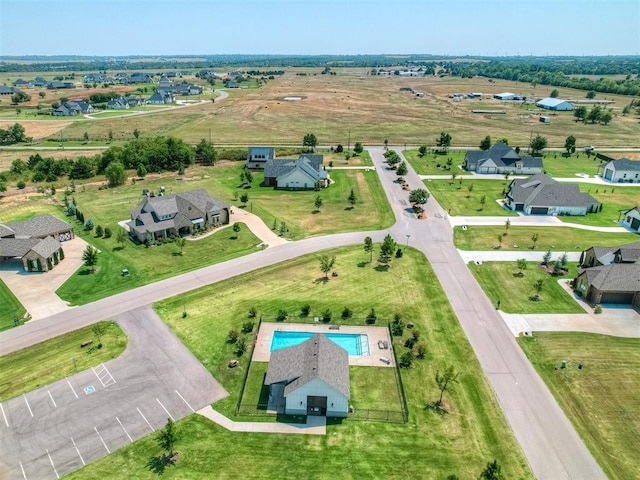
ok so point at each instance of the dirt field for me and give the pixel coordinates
(8, 156)
(38, 129)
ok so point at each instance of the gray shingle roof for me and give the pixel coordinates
(618, 277)
(542, 190)
(17, 247)
(40, 226)
(318, 357)
(46, 247)
(625, 164)
(268, 152)
(502, 155)
(310, 164)
(6, 231)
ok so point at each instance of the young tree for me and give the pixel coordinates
(167, 437)
(107, 232)
(310, 141)
(444, 141)
(180, 243)
(236, 229)
(99, 329)
(564, 259)
(121, 237)
(352, 198)
(485, 144)
(116, 174)
(318, 202)
(371, 317)
(422, 150)
(110, 135)
(368, 247)
(538, 285)
(469, 189)
(99, 231)
(570, 144)
(420, 196)
(88, 226)
(90, 257)
(248, 176)
(444, 380)
(358, 148)
(547, 258)
(326, 264)
(205, 153)
(522, 265)
(402, 169)
(605, 117)
(136, 134)
(554, 93)
(86, 137)
(591, 95)
(507, 224)
(499, 237)
(141, 170)
(491, 471)
(595, 114)
(244, 198)
(538, 144)
(483, 200)
(388, 248)
(534, 239)
(580, 113)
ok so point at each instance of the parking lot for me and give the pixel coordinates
(60, 427)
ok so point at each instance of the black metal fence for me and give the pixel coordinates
(246, 372)
(396, 369)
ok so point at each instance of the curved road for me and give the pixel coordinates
(549, 441)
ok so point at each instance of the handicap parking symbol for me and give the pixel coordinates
(89, 390)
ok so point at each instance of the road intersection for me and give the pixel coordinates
(549, 442)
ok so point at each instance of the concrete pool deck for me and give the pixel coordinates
(377, 357)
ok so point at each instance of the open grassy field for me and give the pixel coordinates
(436, 164)
(51, 360)
(461, 442)
(500, 282)
(11, 308)
(456, 198)
(600, 399)
(549, 238)
(372, 109)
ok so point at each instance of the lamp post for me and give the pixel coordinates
(75, 366)
(408, 237)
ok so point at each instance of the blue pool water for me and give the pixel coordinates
(356, 345)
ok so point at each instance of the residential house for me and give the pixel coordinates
(39, 82)
(555, 104)
(542, 195)
(631, 219)
(188, 89)
(161, 97)
(184, 213)
(119, 103)
(37, 242)
(21, 83)
(139, 78)
(303, 173)
(311, 378)
(60, 85)
(610, 275)
(501, 158)
(257, 157)
(72, 108)
(231, 84)
(622, 170)
(4, 90)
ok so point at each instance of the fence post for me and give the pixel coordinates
(246, 372)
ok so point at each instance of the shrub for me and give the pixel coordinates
(416, 335)
(406, 360)
(597, 309)
(282, 315)
(422, 351)
(232, 336)
(241, 347)
(304, 311)
(397, 328)
(99, 231)
(346, 313)
(247, 327)
(410, 342)
(252, 313)
(21, 184)
(327, 315)
(371, 317)
(399, 253)
(107, 232)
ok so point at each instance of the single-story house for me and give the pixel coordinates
(622, 170)
(632, 219)
(555, 104)
(610, 274)
(231, 84)
(117, 104)
(542, 195)
(58, 85)
(39, 82)
(21, 83)
(161, 97)
(133, 101)
(501, 158)
(187, 89)
(72, 108)
(257, 157)
(179, 214)
(303, 173)
(35, 241)
(313, 378)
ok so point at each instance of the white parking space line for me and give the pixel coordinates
(54, 467)
(51, 397)
(125, 430)
(182, 398)
(104, 375)
(74, 444)
(28, 406)
(102, 439)
(163, 407)
(145, 419)
(71, 387)
(23, 472)
(3, 415)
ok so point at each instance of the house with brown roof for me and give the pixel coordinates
(610, 274)
(168, 216)
(542, 195)
(37, 242)
(311, 378)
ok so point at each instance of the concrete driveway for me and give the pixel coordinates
(37, 291)
(60, 427)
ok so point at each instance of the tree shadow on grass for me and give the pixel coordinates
(321, 280)
(381, 268)
(158, 464)
(437, 408)
(118, 248)
(315, 212)
(362, 264)
(349, 208)
(85, 271)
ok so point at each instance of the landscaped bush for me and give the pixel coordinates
(422, 351)
(326, 316)
(406, 360)
(304, 311)
(241, 347)
(252, 313)
(107, 232)
(282, 315)
(346, 313)
(232, 336)
(597, 309)
(247, 327)
(371, 317)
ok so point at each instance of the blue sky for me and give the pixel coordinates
(171, 27)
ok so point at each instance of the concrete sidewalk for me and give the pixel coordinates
(314, 425)
(257, 227)
(512, 256)
(528, 221)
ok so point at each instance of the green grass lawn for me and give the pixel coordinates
(428, 165)
(557, 165)
(499, 281)
(459, 201)
(148, 265)
(461, 442)
(11, 307)
(601, 399)
(613, 198)
(51, 360)
(554, 238)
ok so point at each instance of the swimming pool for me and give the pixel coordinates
(356, 345)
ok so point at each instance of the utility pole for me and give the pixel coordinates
(209, 135)
(349, 142)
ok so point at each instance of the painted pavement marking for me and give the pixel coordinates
(89, 390)
(125, 430)
(102, 439)
(51, 397)
(145, 419)
(163, 407)
(71, 387)
(28, 406)
(3, 415)
(54, 467)
(177, 392)
(104, 375)
(77, 450)
(23, 472)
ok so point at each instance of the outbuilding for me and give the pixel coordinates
(505, 96)
(555, 104)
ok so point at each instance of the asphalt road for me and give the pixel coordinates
(56, 429)
(549, 442)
